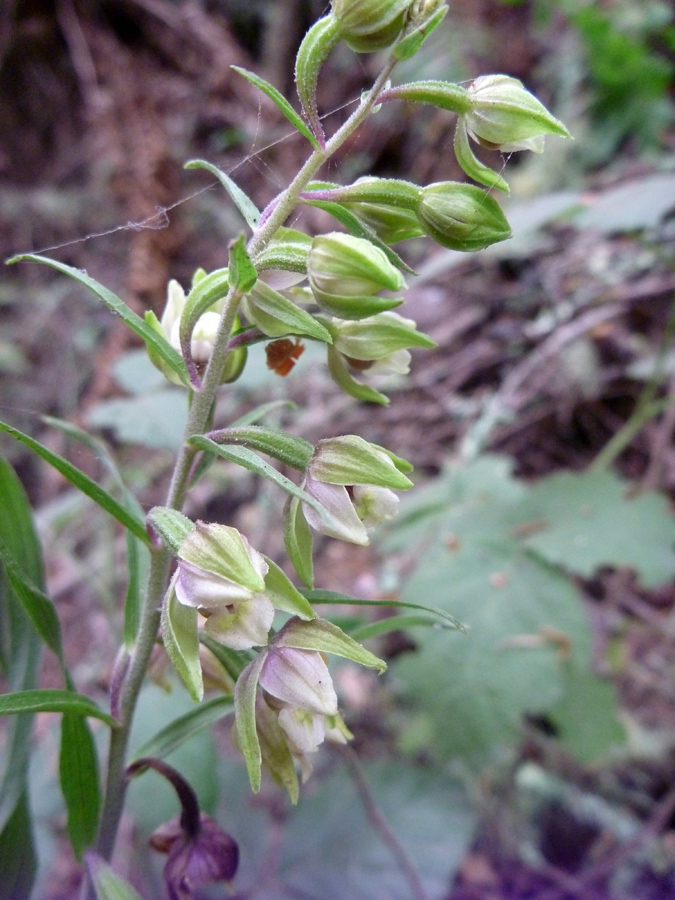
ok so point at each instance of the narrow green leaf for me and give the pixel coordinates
(20, 652)
(287, 448)
(299, 541)
(181, 642)
(332, 597)
(21, 702)
(393, 623)
(284, 595)
(281, 102)
(322, 635)
(355, 226)
(244, 710)
(411, 43)
(250, 418)
(245, 206)
(107, 883)
(176, 733)
(243, 274)
(147, 334)
(208, 290)
(78, 773)
(137, 554)
(82, 482)
(246, 458)
(36, 603)
(17, 853)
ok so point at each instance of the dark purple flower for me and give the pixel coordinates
(194, 860)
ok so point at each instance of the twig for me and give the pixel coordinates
(380, 824)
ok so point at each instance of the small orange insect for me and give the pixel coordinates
(283, 354)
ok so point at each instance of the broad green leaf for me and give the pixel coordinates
(21, 702)
(117, 306)
(107, 883)
(281, 102)
(78, 773)
(582, 521)
(83, 483)
(181, 642)
(527, 628)
(244, 710)
(242, 456)
(20, 652)
(287, 448)
(245, 206)
(243, 275)
(355, 226)
(283, 594)
(329, 838)
(17, 853)
(182, 729)
(322, 635)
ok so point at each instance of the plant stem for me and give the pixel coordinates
(202, 404)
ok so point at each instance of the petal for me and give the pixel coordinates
(305, 730)
(198, 587)
(337, 501)
(300, 679)
(374, 504)
(246, 626)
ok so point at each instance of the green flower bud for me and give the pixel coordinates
(504, 116)
(346, 272)
(461, 216)
(377, 337)
(370, 25)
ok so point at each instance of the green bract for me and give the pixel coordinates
(461, 216)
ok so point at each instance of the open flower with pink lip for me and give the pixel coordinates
(298, 707)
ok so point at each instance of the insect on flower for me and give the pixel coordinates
(283, 354)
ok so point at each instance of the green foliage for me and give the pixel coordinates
(629, 76)
(498, 555)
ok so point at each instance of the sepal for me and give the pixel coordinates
(178, 626)
(473, 167)
(324, 636)
(276, 315)
(351, 460)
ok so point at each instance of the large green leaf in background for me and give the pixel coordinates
(487, 546)
(19, 661)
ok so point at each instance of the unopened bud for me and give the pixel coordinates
(461, 216)
(370, 25)
(346, 272)
(504, 116)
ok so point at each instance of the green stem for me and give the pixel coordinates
(200, 409)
